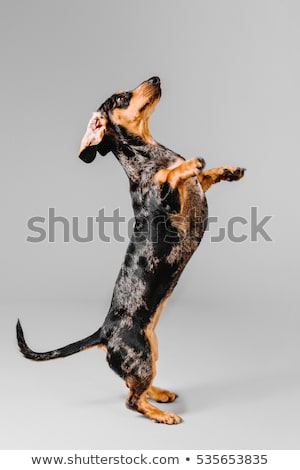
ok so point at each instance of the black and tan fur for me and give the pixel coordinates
(170, 217)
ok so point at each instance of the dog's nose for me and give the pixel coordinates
(154, 81)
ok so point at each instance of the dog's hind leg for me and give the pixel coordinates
(223, 173)
(138, 390)
(157, 394)
(134, 361)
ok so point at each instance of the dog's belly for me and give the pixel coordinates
(155, 258)
(190, 222)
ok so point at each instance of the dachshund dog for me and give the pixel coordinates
(169, 204)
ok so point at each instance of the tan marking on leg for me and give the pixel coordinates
(161, 175)
(160, 395)
(178, 174)
(137, 401)
(224, 173)
(156, 393)
(154, 413)
(151, 335)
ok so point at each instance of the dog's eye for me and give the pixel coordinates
(119, 101)
(122, 101)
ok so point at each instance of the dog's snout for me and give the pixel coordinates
(154, 81)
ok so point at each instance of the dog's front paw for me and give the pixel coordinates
(185, 170)
(233, 173)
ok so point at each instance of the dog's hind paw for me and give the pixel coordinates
(161, 395)
(167, 417)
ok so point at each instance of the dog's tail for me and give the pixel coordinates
(93, 340)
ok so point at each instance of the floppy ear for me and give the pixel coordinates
(93, 137)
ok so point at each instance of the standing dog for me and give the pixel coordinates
(170, 217)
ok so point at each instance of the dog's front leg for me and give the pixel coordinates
(223, 173)
(175, 176)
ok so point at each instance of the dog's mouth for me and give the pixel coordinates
(150, 88)
(151, 101)
(149, 92)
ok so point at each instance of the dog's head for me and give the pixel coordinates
(123, 115)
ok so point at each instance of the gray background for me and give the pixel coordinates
(229, 337)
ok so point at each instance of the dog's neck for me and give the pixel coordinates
(140, 160)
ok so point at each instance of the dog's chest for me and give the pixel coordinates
(171, 221)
